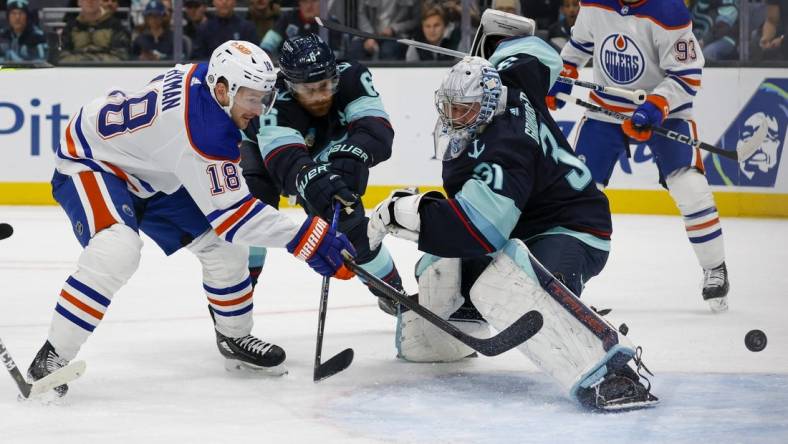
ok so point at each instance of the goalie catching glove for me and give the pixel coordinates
(321, 247)
(398, 214)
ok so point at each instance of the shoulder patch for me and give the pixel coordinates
(211, 133)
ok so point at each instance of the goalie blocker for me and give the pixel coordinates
(580, 350)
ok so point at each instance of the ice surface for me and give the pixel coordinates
(154, 374)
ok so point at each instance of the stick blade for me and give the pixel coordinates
(59, 377)
(336, 364)
(758, 137)
(520, 331)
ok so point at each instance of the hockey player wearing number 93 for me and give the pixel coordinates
(164, 160)
(523, 227)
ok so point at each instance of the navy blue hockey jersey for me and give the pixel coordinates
(519, 178)
(289, 137)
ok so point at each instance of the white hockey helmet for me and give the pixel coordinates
(497, 25)
(242, 64)
(469, 97)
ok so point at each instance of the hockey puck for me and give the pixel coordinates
(755, 340)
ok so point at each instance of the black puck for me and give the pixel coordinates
(755, 340)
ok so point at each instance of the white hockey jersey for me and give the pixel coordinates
(645, 45)
(169, 134)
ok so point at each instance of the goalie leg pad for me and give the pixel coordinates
(226, 282)
(575, 346)
(105, 265)
(439, 290)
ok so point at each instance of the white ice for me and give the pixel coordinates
(154, 374)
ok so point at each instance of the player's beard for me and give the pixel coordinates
(318, 108)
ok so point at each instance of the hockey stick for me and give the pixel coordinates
(741, 153)
(343, 359)
(59, 377)
(517, 333)
(637, 96)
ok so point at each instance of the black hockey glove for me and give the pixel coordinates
(352, 164)
(319, 187)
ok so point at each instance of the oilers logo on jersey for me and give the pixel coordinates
(621, 59)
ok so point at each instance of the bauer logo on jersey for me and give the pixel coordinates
(621, 59)
(768, 106)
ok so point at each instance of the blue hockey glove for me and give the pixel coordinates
(352, 164)
(319, 188)
(321, 247)
(651, 113)
(560, 87)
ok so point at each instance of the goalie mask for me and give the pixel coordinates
(497, 25)
(469, 97)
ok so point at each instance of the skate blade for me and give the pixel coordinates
(629, 406)
(240, 367)
(718, 305)
(57, 378)
(46, 398)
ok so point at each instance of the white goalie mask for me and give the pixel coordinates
(469, 97)
(497, 25)
(243, 65)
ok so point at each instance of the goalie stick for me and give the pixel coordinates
(343, 359)
(637, 96)
(740, 154)
(59, 377)
(517, 333)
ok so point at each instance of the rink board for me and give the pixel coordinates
(34, 113)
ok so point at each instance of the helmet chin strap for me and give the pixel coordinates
(231, 97)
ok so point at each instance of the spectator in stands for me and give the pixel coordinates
(293, 23)
(453, 10)
(544, 12)
(558, 34)
(22, 41)
(263, 13)
(716, 26)
(223, 26)
(110, 5)
(156, 40)
(94, 35)
(436, 31)
(773, 32)
(389, 18)
(510, 6)
(196, 15)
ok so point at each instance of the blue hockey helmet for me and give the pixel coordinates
(307, 59)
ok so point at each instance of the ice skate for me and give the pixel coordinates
(249, 353)
(46, 362)
(619, 390)
(385, 303)
(715, 288)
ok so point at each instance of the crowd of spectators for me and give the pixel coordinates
(117, 30)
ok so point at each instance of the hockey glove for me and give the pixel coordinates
(352, 164)
(560, 87)
(399, 215)
(319, 187)
(651, 113)
(321, 247)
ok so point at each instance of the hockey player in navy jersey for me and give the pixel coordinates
(649, 45)
(518, 201)
(164, 160)
(327, 129)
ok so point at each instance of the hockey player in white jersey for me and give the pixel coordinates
(649, 45)
(164, 160)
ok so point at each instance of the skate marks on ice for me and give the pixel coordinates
(526, 407)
